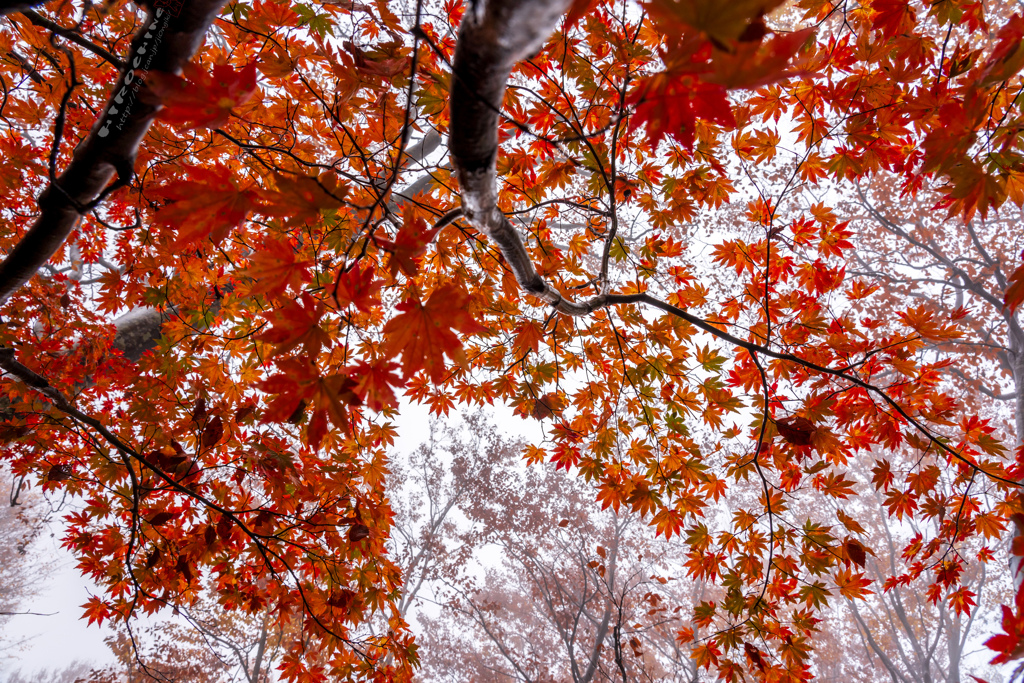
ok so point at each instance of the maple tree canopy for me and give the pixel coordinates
(235, 233)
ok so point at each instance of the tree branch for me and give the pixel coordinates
(12, 6)
(165, 44)
(494, 36)
(138, 330)
(30, 70)
(72, 35)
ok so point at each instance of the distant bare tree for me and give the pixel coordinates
(514, 574)
(22, 567)
(75, 672)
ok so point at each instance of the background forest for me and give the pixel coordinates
(713, 306)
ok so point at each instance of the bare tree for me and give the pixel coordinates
(910, 251)
(22, 567)
(456, 464)
(529, 580)
(906, 631)
(204, 643)
(75, 672)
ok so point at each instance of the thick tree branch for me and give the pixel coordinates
(165, 44)
(494, 36)
(12, 6)
(138, 331)
(30, 70)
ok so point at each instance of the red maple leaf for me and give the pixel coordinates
(357, 287)
(300, 384)
(424, 333)
(296, 323)
(722, 22)
(374, 381)
(213, 432)
(275, 267)
(893, 17)
(755, 63)
(409, 245)
(796, 430)
(670, 102)
(855, 551)
(577, 10)
(1010, 644)
(547, 405)
(710, 47)
(1015, 293)
(209, 202)
(198, 99)
(1007, 57)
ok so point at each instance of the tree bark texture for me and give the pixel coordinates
(493, 37)
(1017, 357)
(165, 43)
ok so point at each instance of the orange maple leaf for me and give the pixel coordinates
(302, 198)
(97, 611)
(529, 335)
(375, 64)
(424, 333)
(409, 245)
(275, 267)
(852, 584)
(209, 203)
(296, 323)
